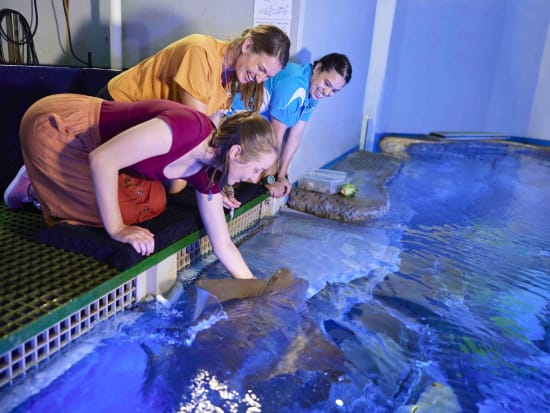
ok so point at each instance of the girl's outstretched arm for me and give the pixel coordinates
(213, 219)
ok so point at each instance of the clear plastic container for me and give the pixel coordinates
(325, 181)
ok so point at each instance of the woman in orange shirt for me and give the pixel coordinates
(204, 72)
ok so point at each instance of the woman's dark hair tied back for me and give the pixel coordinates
(338, 62)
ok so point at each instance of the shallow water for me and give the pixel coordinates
(443, 305)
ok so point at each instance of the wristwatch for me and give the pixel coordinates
(270, 179)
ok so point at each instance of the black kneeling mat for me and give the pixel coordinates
(180, 219)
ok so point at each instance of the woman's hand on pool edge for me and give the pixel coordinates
(280, 188)
(141, 239)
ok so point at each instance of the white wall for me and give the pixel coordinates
(539, 123)
(335, 126)
(462, 65)
(148, 25)
(518, 67)
(441, 65)
(88, 26)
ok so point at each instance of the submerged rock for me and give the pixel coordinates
(337, 206)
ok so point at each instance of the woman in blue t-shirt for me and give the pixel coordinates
(289, 100)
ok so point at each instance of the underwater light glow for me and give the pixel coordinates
(207, 388)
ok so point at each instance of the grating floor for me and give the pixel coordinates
(37, 279)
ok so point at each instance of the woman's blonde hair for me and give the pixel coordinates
(249, 130)
(267, 39)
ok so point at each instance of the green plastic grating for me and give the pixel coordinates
(369, 162)
(59, 333)
(38, 279)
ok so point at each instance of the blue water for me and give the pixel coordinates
(443, 305)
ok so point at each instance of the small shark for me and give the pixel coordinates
(378, 335)
(228, 289)
(261, 343)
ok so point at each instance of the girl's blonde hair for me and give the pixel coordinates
(249, 130)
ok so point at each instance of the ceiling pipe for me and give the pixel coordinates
(115, 34)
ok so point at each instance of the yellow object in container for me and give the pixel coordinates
(325, 181)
